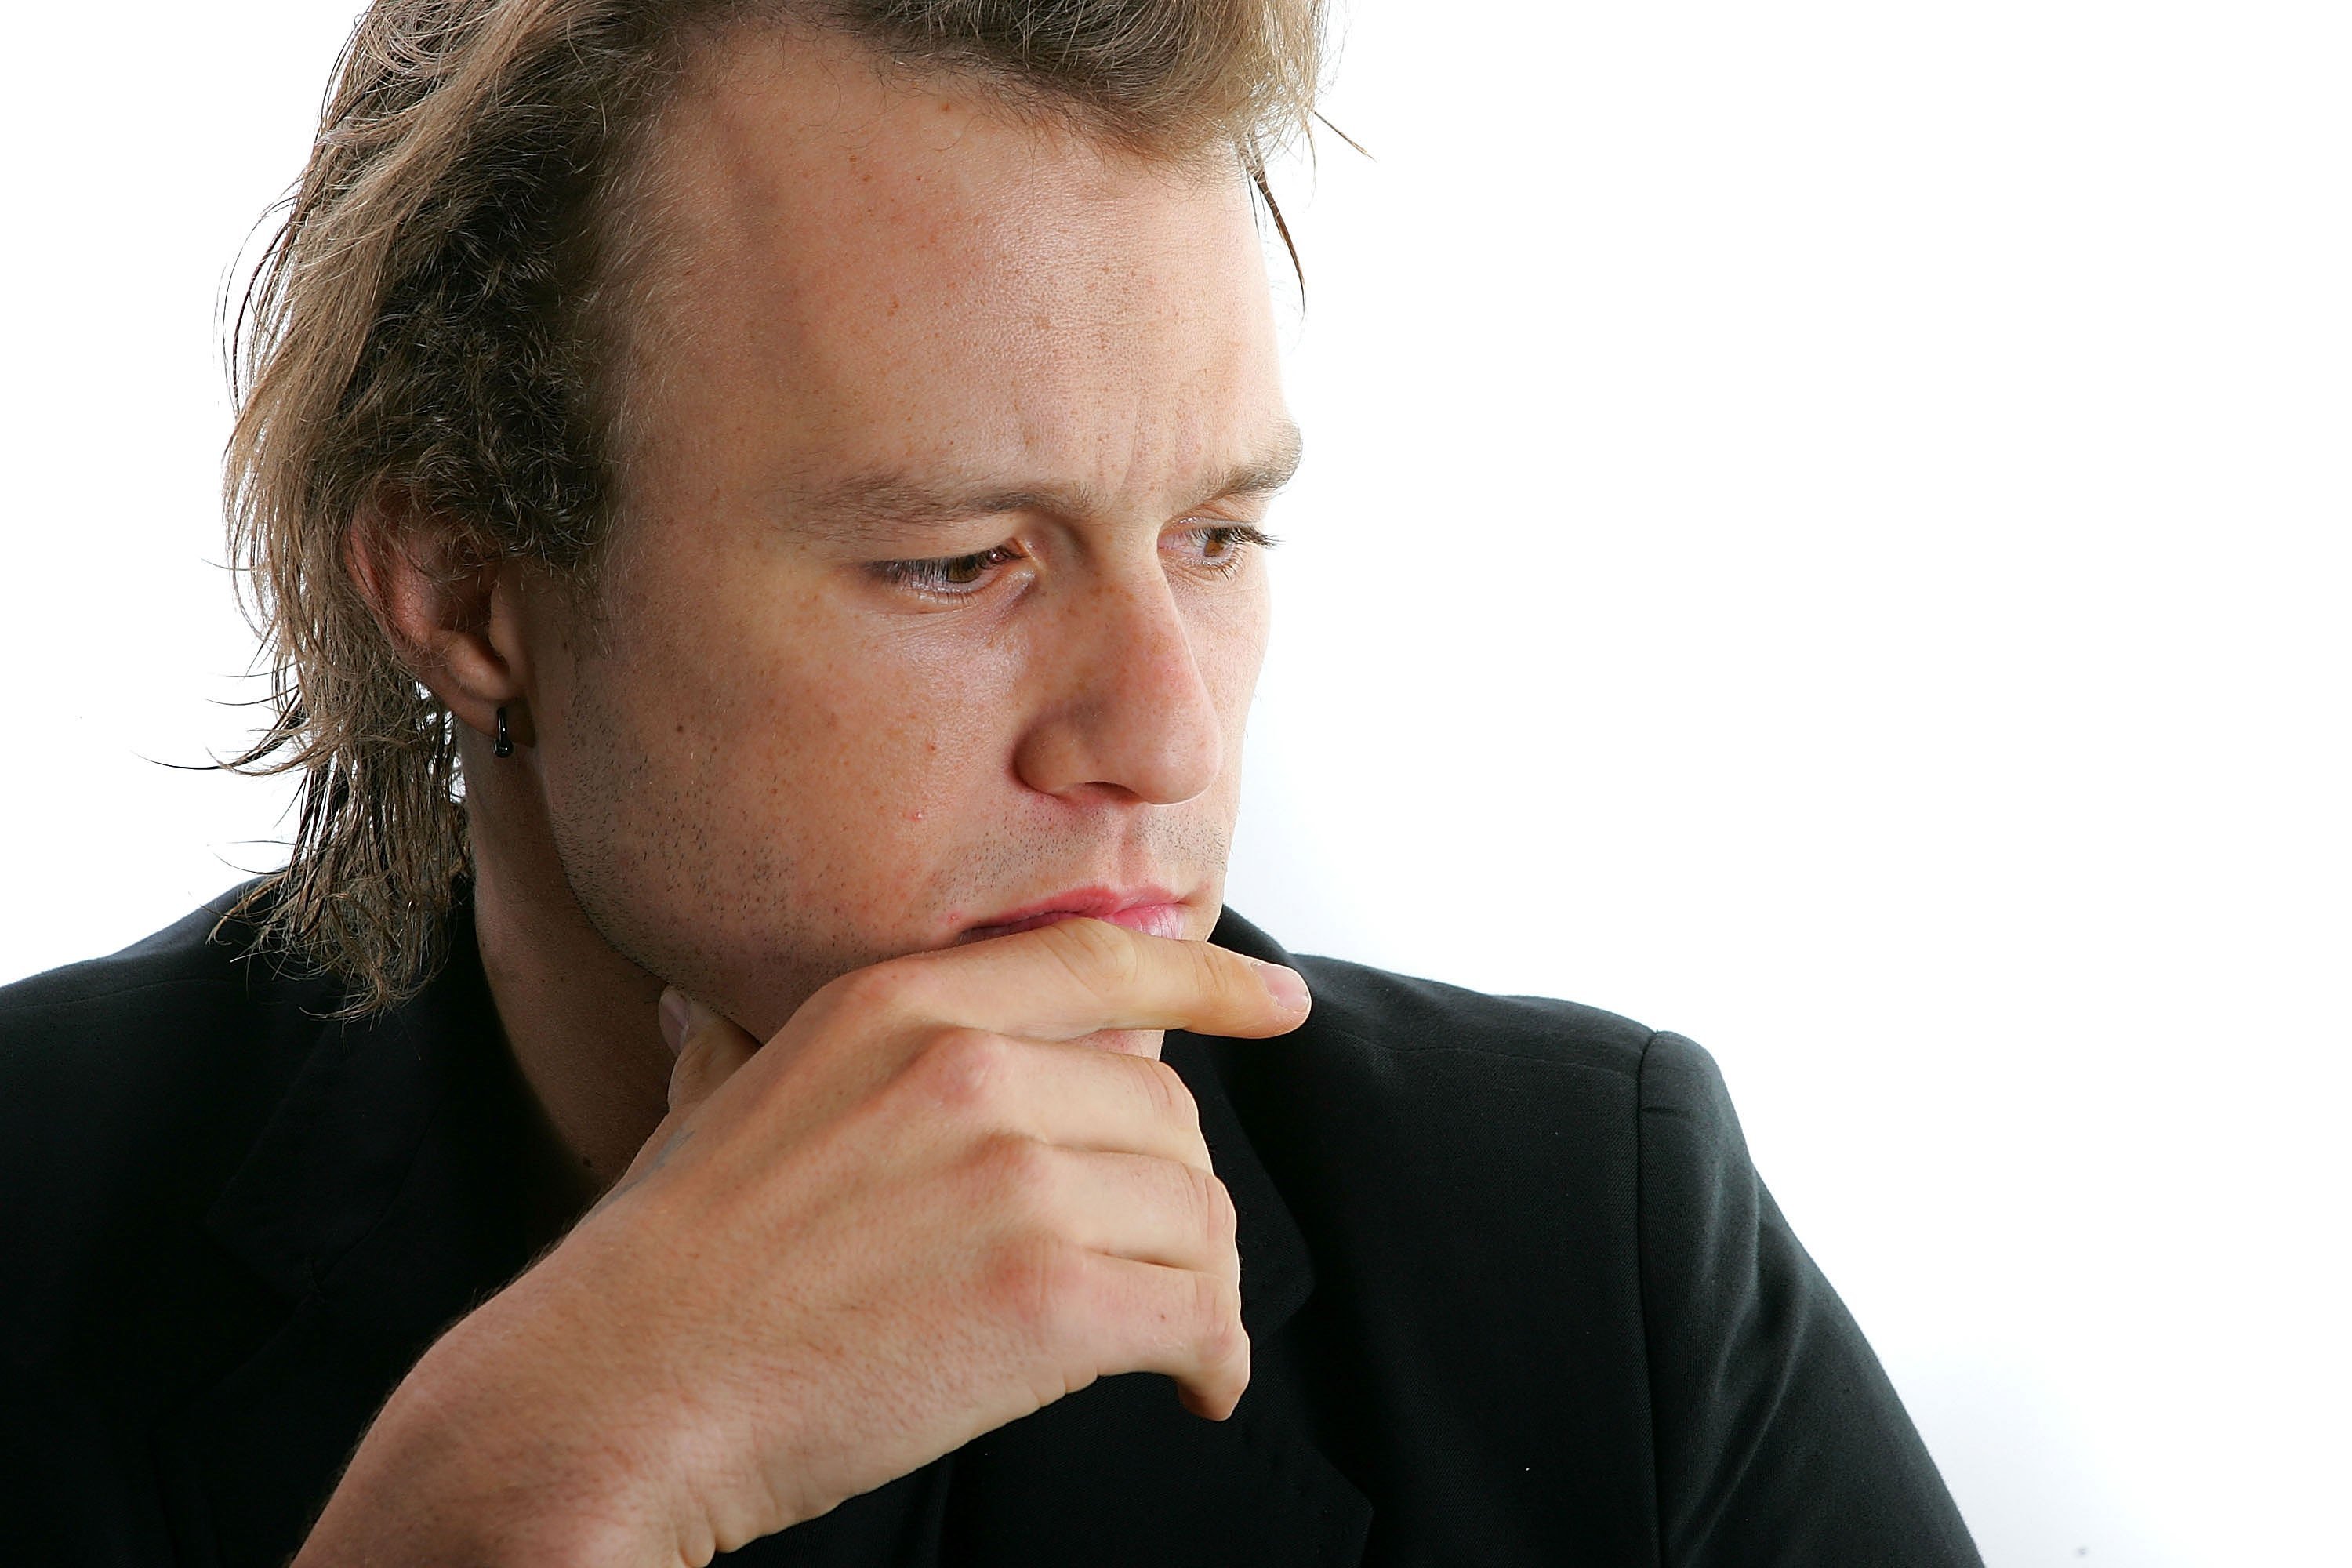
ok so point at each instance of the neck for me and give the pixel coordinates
(579, 1017)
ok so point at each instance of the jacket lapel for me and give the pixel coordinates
(379, 1202)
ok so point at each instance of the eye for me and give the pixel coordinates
(948, 576)
(1221, 547)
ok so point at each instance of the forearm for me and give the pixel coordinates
(466, 1464)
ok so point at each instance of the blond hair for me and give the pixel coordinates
(421, 330)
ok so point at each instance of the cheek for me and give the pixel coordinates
(808, 793)
(856, 742)
(1229, 643)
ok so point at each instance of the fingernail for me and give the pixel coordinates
(676, 1018)
(1284, 985)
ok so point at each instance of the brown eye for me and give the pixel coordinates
(1219, 549)
(946, 576)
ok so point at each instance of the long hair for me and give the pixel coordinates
(424, 331)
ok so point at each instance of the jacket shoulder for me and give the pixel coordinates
(186, 950)
(130, 1086)
(1418, 1108)
(1487, 1125)
(1392, 1015)
(1468, 1099)
(1507, 1095)
(194, 992)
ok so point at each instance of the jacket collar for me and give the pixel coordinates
(380, 1198)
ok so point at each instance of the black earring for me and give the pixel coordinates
(503, 746)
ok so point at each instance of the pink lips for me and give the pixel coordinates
(1151, 910)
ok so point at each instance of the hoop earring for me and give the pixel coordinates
(503, 745)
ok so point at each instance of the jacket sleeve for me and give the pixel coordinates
(66, 1501)
(1777, 1437)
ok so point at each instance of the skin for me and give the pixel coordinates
(769, 769)
(752, 765)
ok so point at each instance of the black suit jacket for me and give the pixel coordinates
(1514, 1292)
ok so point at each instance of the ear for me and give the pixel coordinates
(452, 613)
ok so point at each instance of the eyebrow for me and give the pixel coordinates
(865, 507)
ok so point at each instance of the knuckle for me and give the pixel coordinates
(1223, 1221)
(1037, 1284)
(1016, 1175)
(1172, 1097)
(965, 1069)
(1200, 1208)
(861, 992)
(890, 989)
(1216, 1327)
(1098, 956)
(1227, 977)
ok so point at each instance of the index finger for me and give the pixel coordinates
(1077, 976)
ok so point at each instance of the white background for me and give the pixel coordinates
(1824, 528)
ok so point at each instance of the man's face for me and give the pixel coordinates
(932, 603)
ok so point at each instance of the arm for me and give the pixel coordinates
(1778, 1439)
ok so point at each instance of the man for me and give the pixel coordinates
(802, 467)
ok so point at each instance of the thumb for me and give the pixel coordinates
(708, 1050)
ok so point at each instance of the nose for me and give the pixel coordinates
(1125, 708)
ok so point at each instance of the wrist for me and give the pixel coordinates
(488, 1454)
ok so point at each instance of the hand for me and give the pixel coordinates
(924, 1210)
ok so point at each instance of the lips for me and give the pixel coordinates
(1152, 911)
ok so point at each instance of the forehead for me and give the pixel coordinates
(858, 272)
